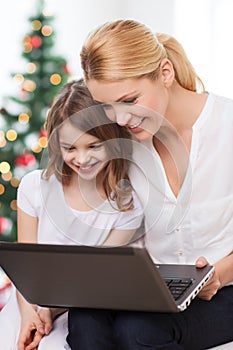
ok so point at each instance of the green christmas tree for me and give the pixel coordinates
(22, 135)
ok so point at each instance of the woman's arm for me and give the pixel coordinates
(223, 275)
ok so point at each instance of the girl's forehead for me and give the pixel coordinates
(71, 134)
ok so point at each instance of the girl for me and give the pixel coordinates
(124, 62)
(83, 197)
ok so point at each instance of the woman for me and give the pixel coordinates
(124, 62)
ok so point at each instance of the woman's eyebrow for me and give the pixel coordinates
(128, 95)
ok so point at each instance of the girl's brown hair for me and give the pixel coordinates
(75, 105)
(128, 49)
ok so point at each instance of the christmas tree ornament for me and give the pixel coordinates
(25, 160)
(22, 139)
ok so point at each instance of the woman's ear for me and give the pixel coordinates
(167, 72)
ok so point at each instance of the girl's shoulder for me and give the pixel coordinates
(33, 176)
(30, 181)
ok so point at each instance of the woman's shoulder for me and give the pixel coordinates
(222, 101)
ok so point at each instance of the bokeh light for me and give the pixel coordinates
(15, 182)
(36, 24)
(55, 79)
(7, 176)
(29, 86)
(13, 204)
(31, 68)
(46, 30)
(23, 118)
(4, 167)
(43, 141)
(2, 189)
(11, 135)
(18, 78)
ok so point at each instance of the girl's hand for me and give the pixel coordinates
(213, 285)
(31, 332)
(46, 317)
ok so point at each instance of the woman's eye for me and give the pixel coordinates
(130, 100)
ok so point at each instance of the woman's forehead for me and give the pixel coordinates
(116, 91)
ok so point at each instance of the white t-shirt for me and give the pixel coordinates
(200, 220)
(59, 224)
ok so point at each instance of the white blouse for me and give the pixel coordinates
(60, 224)
(199, 222)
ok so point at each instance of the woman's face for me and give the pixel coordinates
(141, 103)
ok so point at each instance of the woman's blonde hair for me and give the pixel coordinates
(128, 49)
(75, 105)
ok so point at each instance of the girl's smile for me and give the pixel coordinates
(83, 153)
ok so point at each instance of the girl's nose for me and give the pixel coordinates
(82, 157)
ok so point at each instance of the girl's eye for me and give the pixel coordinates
(130, 100)
(96, 146)
(68, 149)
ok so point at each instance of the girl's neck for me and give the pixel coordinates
(83, 195)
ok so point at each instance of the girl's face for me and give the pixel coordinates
(143, 103)
(83, 153)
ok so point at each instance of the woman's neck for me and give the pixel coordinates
(184, 107)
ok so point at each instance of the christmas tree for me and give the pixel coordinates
(22, 134)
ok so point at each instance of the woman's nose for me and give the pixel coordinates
(123, 118)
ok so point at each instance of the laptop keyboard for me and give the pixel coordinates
(177, 287)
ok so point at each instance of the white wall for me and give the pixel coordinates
(73, 21)
(203, 27)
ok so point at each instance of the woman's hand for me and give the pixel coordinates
(213, 285)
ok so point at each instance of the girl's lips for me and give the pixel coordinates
(86, 169)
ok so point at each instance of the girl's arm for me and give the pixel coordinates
(32, 329)
(118, 237)
(35, 323)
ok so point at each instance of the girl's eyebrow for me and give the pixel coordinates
(63, 143)
(94, 142)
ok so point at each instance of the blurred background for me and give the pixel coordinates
(40, 45)
(203, 27)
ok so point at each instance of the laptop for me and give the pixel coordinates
(121, 278)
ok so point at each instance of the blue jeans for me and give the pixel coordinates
(203, 325)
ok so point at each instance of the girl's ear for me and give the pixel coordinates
(167, 71)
